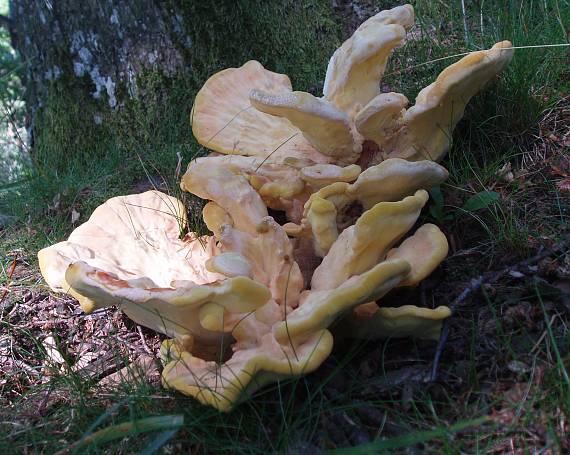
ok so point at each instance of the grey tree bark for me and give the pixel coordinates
(105, 42)
(99, 48)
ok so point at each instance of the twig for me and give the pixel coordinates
(24, 366)
(481, 18)
(143, 341)
(475, 284)
(488, 278)
(539, 341)
(103, 366)
(43, 403)
(178, 166)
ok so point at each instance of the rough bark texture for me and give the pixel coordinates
(107, 42)
(101, 48)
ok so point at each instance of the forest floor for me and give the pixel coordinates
(498, 382)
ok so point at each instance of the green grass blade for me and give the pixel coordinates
(409, 439)
(125, 429)
(559, 361)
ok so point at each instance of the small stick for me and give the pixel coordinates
(143, 341)
(178, 166)
(465, 26)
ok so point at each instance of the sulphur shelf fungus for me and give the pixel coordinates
(252, 111)
(242, 288)
(291, 143)
(260, 300)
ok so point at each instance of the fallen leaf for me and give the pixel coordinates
(506, 172)
(55, 202)
(84, 360)
(52, 352)
(480, 200)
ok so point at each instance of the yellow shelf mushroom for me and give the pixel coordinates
(252, 111)
(389, 181)
(241, 287)
(272, 292)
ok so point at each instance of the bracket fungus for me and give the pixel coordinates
(255, 112)
(257, 300)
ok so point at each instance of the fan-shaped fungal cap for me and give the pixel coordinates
(400, 322)
(129, 254)
(321, 175)
(252, 111)
(381, 118)
(349, 276)
(224, 120)
(323, 125)
(394, 179)
(228, 188)
(356, 68)
(270, 254)
(281, 186)
(361, 246)
(248, 369)
(175, 310)
(250, 285)
(215, 217)
(425, 130)
(147, 226)
(229, 264)
(320, 307)
(424, 251)
(389, 181)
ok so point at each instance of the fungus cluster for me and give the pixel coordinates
(257, 301)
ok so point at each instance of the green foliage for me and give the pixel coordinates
(408, 440)
(167, 424)
(500, 124)
(436, 207)
(481, 200)
(498, 119)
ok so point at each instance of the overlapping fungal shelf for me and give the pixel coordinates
(279, 294)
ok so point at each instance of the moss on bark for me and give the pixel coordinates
(151, 115)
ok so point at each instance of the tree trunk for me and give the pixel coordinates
(95, 54)
(102, 42)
